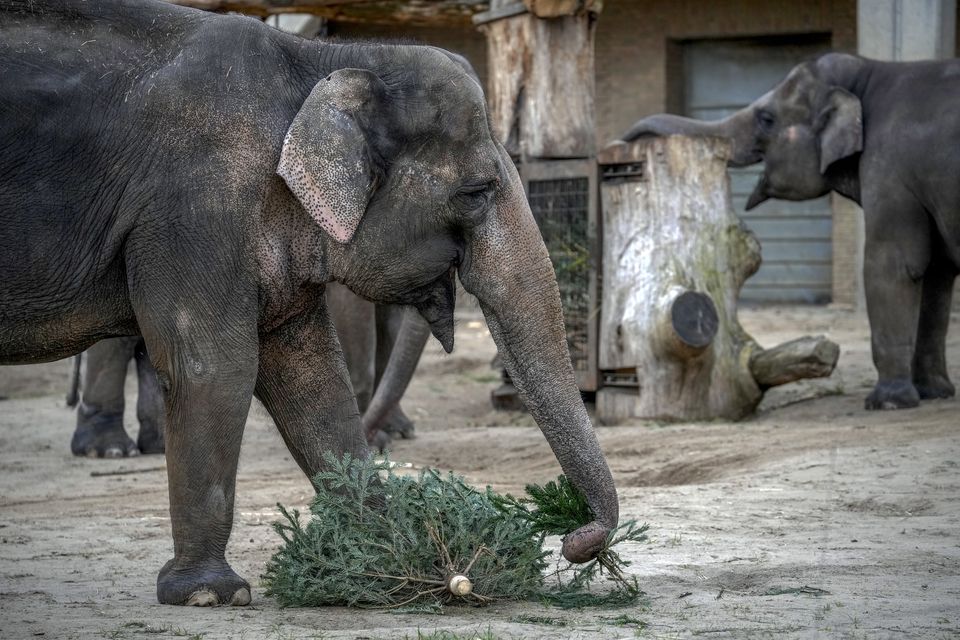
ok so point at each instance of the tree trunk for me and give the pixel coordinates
(541, 81)
(675, 259)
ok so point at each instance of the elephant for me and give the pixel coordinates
(213, 174)
(886, 135)
(367, 333)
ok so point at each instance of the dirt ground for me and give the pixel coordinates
(815, 519)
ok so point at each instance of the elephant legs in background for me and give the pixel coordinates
(389, 322)
(99, 431)
(367, 334)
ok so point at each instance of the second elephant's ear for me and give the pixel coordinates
(840, 125)
(326, 160)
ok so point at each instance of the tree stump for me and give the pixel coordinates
(675, 258)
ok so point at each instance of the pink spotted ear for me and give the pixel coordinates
(325, 159)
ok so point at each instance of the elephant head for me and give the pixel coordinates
(396, 161)
(799, 129)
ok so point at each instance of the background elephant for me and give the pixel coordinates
(212, 174)
(368, 335)
(886, 135)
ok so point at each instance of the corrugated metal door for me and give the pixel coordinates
(720, 77)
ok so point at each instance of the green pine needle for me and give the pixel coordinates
(381, 540)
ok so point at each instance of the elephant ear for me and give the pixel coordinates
(840, 124)
(326, 160)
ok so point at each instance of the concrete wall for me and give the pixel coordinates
(636, 52)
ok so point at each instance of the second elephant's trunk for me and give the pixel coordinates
(404, 357)
(738, 127)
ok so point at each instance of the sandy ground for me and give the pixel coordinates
(815, 519)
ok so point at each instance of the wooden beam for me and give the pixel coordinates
(408, 12)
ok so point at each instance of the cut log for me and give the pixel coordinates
(806, 357)
(675, 259)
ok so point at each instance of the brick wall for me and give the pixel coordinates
(636, 63)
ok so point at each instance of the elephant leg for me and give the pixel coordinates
(353, 318)
(150, 411)
(100, 431)
(389, 324)
(929, 360)
(896, 255)
(304, 384)
(204, 347)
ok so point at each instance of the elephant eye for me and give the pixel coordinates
(765, 119)
(474, 198)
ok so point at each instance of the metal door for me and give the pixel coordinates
(722, 76)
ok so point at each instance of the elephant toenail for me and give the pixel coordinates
(113, 452)
(241, 598)
(202, 598)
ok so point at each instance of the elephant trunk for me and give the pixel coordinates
(507, 267)
(738, 127)
(413, 335)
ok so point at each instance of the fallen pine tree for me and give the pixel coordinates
(382, 540)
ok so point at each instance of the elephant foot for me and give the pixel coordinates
(934, 386)
(101, 435)
(208, 584)
(398, 424)
(150, 438)
(379, 441)
(892, 394)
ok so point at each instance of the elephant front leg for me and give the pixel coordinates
(304, 384)
(207, 399)
(929, 360)
(896, 254)
(99, 432)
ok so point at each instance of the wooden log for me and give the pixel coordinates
(675, 259)
(806, 357)
(533, 63)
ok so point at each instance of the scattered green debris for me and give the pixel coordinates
(549, 621)
(381, 540)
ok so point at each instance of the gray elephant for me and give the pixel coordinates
(368, 334)
(212, 175)
(886, 135)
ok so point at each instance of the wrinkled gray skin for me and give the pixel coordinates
(886, 135)
(368, 334)
(212, 175)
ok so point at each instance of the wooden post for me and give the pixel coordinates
(541, 82)
(675, 259)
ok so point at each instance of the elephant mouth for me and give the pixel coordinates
(437, 308)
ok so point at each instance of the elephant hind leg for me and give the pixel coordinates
(99, 432)
(929, 360)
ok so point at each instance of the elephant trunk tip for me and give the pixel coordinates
(584, 544)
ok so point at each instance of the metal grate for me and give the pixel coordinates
(561, 209)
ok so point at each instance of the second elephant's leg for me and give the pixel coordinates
(100, 431)
(929, 361)
(896, 255)
(150, 409)
(389, 323)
